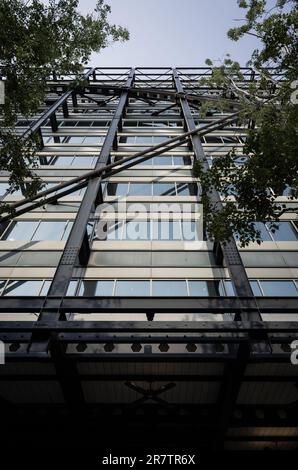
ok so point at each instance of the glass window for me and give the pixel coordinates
(189, 230)
(183, 189)
(157, 139)
(229, 288)
(72, 287)
(166, 230)
(141, 139)
(93, 139)
(128, 123)
(2, 284)
(229, 139)
(68, 124)
(140, 189)
(127, 139)
(117, 189)
(84, 123)
(255, 288)
(68, 229)
(211, 139)
(198, 288)
(110, 230)
(285, 232)
(264, 234)
(45, 287)
(77, 139)
(50, 230)
(132, 288)
(96, 288)
(203, 288)
(261, 227)
(160, 160)
(3, 188)
(100, 123)
(20, 230)
(26, 288)
(136, 230)
(279, 288)
(181, 160)
(61, 161)
(164, 189)
(169, 288)
(148, 162)
(83, 160)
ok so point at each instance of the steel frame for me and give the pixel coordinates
(51, 339)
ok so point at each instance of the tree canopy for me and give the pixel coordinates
(270, 105)
(37, 39)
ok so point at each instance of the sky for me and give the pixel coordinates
(172, 33)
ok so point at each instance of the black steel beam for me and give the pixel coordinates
(109, 169)
(48, 113)
(110, 377)
(77, 238)
(229, 250)
(134, 327)
(165, 94)
(274, 305)
(233, 372)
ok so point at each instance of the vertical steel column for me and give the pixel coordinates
(233, 373)
(230, 250)
(78, 233)
(77, 245)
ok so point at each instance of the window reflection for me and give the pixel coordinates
(37, 230)
(132, 288)
(169, 288)
(23, 288)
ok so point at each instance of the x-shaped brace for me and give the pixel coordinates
(149, 393)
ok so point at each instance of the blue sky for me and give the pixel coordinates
(172, 32)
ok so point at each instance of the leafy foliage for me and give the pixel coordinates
(35, 40)
(249, 190)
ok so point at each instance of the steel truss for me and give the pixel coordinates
(62, 342)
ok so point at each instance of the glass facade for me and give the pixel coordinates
(146, 238)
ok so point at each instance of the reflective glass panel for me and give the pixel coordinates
(20, 230)
(198, 288)
(164, 189)
(136, 230)
(183, 189)
(279, 288)
(50, 230)
(18, 287)
(166, 160)
(169, 288)
(166, 230)
(285, 232)
(117, 189)
(132, 288)
(140, 189)
(96, 288)
(255, 288)
(189, 230)
(72, 286)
